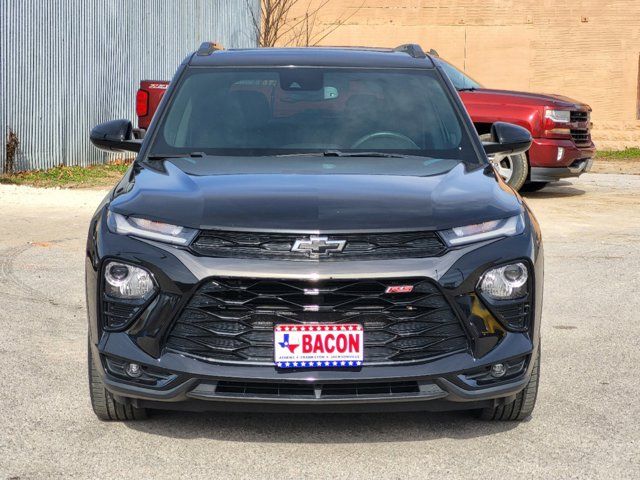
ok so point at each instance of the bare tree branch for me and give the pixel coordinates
(272, 23)
(322, 34)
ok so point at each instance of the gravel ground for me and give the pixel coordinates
(585, 425)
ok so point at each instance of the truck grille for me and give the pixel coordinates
(233, 319)
(582, 134)
(277, 246)
(579, 116)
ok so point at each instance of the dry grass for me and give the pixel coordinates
(95, 176)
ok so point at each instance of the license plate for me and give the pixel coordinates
(318, 346)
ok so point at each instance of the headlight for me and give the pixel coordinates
(127, 282)
(506, 282)
(558, 116)
(143, 228)
(505, 227)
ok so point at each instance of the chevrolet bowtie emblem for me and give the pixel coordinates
(316, 245)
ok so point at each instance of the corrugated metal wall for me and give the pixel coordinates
(66, 65)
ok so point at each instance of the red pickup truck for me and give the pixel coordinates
(560, 127)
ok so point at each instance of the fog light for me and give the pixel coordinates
(498, 370)
(560, 153)
(133, 370)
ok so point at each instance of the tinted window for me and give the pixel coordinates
(291, 110)
(460, 80)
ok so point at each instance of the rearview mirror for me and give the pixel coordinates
(507, 139)
(115, 136)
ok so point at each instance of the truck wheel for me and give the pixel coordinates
(534, 186)
(104, 405)
(512, 168)
(522, 406)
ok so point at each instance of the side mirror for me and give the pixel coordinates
(115, 136)
(507, 139)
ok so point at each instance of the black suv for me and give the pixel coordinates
(312, 229)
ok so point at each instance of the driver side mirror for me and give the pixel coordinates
(115, 136)
(507, 139)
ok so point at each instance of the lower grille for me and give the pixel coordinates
(290, 390)
(514, 315)
(581, 136)
(233, 319)
(117, 312)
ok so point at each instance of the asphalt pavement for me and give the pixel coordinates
(586, 423)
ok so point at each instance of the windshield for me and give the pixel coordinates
(324, 111)
(460, 80)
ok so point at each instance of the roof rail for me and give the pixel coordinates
(207, 48)
(412, 49)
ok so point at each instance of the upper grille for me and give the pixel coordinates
(233, 319)
(579, 116)
(277, 246)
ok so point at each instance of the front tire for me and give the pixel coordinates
(513, 169)
(522, 406)
(104, 405)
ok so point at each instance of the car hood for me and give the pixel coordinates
(515, 97)
(321, 202)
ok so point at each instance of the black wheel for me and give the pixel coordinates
(522, 406)
(513, 169)
(533, 186)
(104, 405)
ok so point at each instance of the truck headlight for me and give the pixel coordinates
(506, 282)
(143, 228)
(558, 116)
(505, 227)
(127, 282)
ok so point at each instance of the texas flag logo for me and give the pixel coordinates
(285, 343)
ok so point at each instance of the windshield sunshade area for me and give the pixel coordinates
(282, 111)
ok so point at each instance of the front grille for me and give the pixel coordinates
(277, 246)
(581, 135)
(233, 319)
(579, 116)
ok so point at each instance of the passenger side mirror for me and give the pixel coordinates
(507, 139)
(115, 136)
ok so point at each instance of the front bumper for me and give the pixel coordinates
(191, 383)
(545, 165)
(551, 174)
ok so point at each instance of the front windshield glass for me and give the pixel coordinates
(287, 111)
(460, 80)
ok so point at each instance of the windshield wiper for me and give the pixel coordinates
(339, 153)
(163, 156)
(467, 89)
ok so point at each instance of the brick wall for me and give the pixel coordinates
(585, 49)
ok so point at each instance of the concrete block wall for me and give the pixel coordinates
(585, 49)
